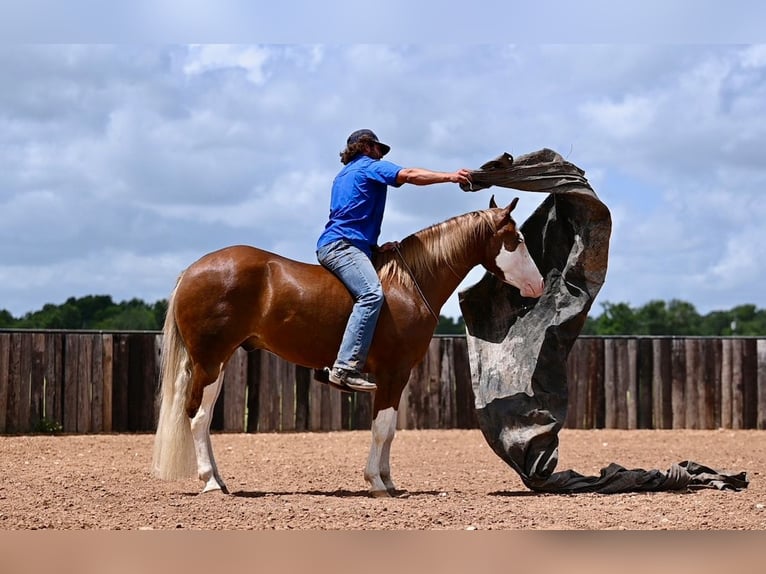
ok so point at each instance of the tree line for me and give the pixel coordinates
(101, 313)
(96, 312)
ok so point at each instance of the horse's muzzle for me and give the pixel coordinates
(534, 290)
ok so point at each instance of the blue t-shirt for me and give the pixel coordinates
(357, 202)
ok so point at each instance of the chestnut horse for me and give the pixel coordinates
(243, 296)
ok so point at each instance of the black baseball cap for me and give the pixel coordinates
(367, 135)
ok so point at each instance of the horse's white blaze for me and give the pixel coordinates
(378, 469)
(520, 270)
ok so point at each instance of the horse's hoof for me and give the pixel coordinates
(396, 493)
(380, 494)
(215, 488)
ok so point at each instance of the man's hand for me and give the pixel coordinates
(461, 176)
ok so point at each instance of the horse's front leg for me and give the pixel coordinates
(378, 469)
(207, 470)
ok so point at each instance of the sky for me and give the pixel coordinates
(123, 161)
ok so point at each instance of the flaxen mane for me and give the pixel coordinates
(430, 248)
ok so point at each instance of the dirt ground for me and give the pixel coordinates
(313, 481)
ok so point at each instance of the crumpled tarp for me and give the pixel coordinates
(518, 347)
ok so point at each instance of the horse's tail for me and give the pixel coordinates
(173, 456)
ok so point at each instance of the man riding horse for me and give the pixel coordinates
(346, 245)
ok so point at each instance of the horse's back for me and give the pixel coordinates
(243, 293)
(245, 257)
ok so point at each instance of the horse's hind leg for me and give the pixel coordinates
(378, 469)
(207, 470)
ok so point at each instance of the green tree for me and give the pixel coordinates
(160, 309)
(449, 326)
(617, 319)
(6, 319)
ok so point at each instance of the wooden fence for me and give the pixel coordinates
(91, 382)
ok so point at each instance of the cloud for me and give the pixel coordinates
(152, 155)
(208, 57)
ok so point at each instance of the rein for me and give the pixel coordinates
(415, 281)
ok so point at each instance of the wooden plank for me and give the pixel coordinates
(749, 383)
(432, 386)
(662, 405)
(706, 407)
(645, 369)
(253, 389)
(691, 384)
(574, 400)
(26, 382)
(726, 382)
(761, 382)
(143, 370)
(678, 385)
(361, 406)
(611, 419)
(269, 394)
(37, 381)
(71, 377)
(446, 384)
(84, 383)
(97, 385)
(5, 345)
(346, 411)
(579, 382)
(335, 409)
(107, 373)
(234, 391)
(716, 381)
(287, 396)
(626, 397)
(596, 390)
(325, 413)
(13, 422)
(14, 419)
(737, 385)
(135, 368)
(135, 381)
(54, 378)
(315, 406)
(303, 376)
(120, 382)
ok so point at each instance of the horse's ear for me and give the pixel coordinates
(512, 205)
(492, 202)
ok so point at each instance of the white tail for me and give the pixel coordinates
(174, 456)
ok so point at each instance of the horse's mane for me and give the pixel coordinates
(430, 248)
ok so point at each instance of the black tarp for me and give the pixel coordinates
(518, 347)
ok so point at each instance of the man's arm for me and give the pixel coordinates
(420, 176)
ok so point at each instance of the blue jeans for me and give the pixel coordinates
(355, 270)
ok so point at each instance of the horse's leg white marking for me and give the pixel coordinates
(207, 470)
(385, 455)
(378, 471)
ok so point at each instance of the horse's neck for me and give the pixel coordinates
(449, 269)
